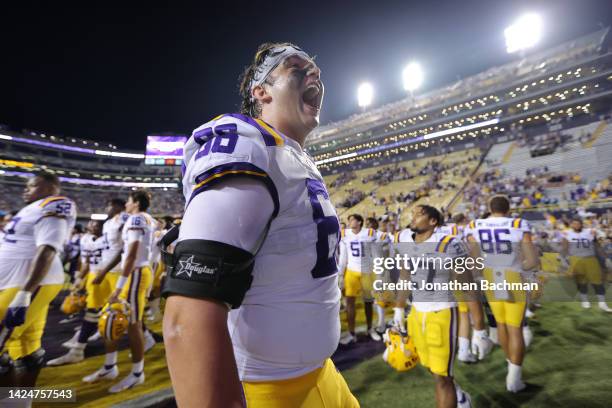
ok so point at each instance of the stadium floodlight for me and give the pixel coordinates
(524, 33)
(365, 94)
(412, 76)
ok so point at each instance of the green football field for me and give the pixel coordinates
(569, 364)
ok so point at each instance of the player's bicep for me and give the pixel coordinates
(235, 212)
(52, 231)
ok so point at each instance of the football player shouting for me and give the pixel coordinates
(253, 286)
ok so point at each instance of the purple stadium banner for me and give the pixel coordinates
(167, 147)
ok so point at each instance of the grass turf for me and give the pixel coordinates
(569, 364)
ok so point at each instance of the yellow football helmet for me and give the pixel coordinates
(400, 352)
(114, 320)
(74, 303)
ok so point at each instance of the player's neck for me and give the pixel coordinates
(423, 236)
(285, 128)
(499, 215)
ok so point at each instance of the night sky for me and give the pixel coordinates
(116, 74)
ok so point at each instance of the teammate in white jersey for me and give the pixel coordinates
(31, 275)
(481, 345)
(357, 281)
(91, 256)
(509, 257)
(432, 322)
(133, 286)
(259, 236)
(581, 246)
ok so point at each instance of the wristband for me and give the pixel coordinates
(121, 282)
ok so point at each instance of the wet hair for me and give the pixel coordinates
(372, 222)
(117, 202)
(49, 178)
(499, 204)
(433, 213)
(249, 106)
(357, 217)
(142, 197)
(458, 218)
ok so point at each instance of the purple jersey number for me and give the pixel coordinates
(328, 229)
(10, 230)
(220, 139)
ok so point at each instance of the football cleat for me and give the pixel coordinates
(514, 381)
(463, 398)
(467, 357)
(73, 356)
(604, 306)
(74, 303)
(114, 321)
(128, 382)
(348, 339)
(102, 374)
(400, 352)
(585, 304)
(374, 335)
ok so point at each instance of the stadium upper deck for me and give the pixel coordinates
(567, 81)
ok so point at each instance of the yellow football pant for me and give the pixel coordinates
(435, 338)
(136, 291)
(25, 339)
(358, 284)
(322, 388)
(586, 269)
(97, 295)
(510, 311)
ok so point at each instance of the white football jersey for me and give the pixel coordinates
(580, 243)
(295, 292)
(111, 235)
(25, 232)
(91, 250)
(429, 260)
(138, 227)
(451, 229)
(499, 239)
(354, 251)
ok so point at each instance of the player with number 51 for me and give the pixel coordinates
(252, 315)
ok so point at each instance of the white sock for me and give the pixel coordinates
(514, 371)
(464, 345)
(584, 297)
(138, 367)
(380, 316)
(110, 359)
(601, 298)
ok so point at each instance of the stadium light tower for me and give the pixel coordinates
(412, 77)
(365, 94)
(524, 33)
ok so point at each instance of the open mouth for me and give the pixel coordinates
(312, 96)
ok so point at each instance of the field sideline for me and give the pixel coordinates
(569, 364)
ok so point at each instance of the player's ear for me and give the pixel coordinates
(261, 94)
